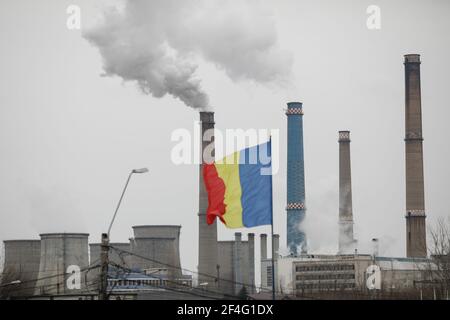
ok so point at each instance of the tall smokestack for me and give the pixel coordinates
(346, 239)
(207, 234)
(251, 259)
(415, 204)
(296, 239)
(263, 243)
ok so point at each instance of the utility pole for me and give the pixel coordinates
(104, 261)
(104, 258)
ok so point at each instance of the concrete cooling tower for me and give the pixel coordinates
(62, 254)
(157, 249)
(21, 264)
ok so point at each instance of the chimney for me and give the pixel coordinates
(376, 247)
(295, 179)
(237, 262)
(415, 203)
(346, 240)
(251, 261)
(276, 246)
(207, 234)
(263, 240)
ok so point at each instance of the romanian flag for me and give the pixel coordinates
(240, 188)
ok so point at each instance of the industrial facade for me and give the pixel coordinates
(307, 274)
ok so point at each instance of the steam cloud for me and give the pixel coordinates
(158, 44)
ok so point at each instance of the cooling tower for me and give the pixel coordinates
(296, 238)
(347, 244)
(415, 202)
(61, 252)
(21, 264)
(158, 248)
(207, 234)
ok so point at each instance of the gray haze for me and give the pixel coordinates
(69, 136)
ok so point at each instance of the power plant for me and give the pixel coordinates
(149, 266)
(347, 243)
(416, 242)
(295, 208)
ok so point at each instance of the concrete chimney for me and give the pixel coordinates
(296, 239)
(276, 246)
(375, 247)
(347, 243)
(263, 242)
(207, 234)
(415, 203)
(251, 261)
(237, 248)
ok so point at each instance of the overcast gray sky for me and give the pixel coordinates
(68, 137)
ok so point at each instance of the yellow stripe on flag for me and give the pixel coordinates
(228, 170)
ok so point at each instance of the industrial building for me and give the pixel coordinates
(347, 274)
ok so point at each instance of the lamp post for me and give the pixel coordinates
(104, 259)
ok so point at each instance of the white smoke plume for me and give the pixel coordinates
(158, 43)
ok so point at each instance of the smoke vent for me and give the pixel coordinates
(263, 242)
(347, 243)
(158, 248)
(207, 234)
(59, 251)
(296, 238)
(415, 200)
(21, 263)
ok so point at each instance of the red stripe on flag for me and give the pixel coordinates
(216, 193)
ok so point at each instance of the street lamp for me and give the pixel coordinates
(137, 171)
(11, 283)
(105, 241)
